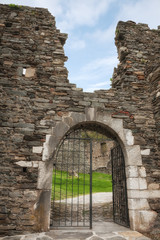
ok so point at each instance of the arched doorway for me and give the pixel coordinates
(135, 171)
(74, 166)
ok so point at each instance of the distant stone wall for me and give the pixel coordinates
(36, 96)
(78, 154)
(101, 156)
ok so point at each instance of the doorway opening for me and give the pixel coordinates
(89, 182)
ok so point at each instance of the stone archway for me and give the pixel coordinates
(140, 215)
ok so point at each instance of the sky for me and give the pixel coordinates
(90, 25)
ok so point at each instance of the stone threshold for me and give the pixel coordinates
(100, 231)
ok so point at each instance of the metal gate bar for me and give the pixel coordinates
(90, 184)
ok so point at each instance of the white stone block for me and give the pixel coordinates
(133, 157)
(134, 219)
(116, 124)
(154, 194)
(141, 220)
(37, 149)
(24, 164)
(45, 173)
(142, 183)
(133, 193)
(33, 164)
(90, 114)
(158, 94)
(129, 137)
(147, 219)
(131, 172)
(135, 204)
(142, 172)
(145, 152)
(133, 183)
(49, 147)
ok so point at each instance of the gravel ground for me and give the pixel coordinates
(101, 197)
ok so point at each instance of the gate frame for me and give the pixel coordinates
(140, 214)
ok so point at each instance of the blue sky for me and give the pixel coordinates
(90, 25)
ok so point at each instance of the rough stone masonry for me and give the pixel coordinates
(39, 105)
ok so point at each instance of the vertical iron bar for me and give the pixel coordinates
(91, 184)
(84, 186)
(113, 199)
(73, 155)
(55, 164)
(60, 204)
(78, 162)
(54, 192)
(66, 182)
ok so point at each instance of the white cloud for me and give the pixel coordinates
(101, 63)
(76, 44)
(54, 6)
(98, 70)
(97, 86)
(101, 84)
(82, 13)
(105, 35)
(143, 11)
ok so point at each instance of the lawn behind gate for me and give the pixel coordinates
(66, 186)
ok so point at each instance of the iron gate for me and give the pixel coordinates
(120, 204)
(72, 162)
(72, 174)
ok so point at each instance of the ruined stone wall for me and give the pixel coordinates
(36, 94)
(29, 40)
(154, 79)
(80, 153)
(101, 159)
(138, 73)
(137, 47)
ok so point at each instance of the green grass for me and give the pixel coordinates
(66, 184)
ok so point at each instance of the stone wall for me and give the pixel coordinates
(36, 97)
(77, 152)
(101, 160)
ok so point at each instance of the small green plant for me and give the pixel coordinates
(116, 32)
(111, 79)
(143, 60)
(15, 6)
(33, 12)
